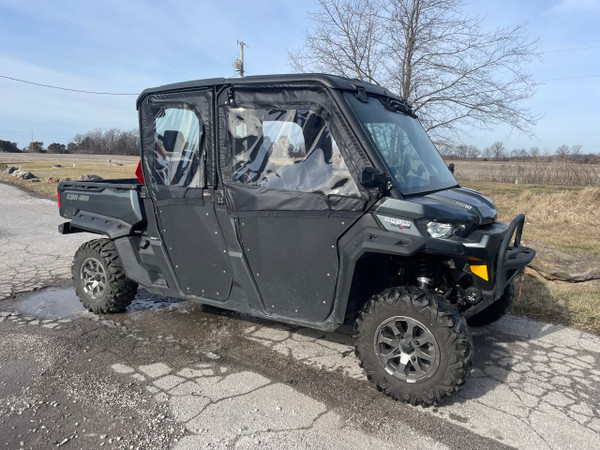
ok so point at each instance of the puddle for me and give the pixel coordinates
(149, 315)
(54, 303)
(51, 304)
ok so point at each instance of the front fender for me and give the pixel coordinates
(366, 236)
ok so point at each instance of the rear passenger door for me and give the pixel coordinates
(178, 143)
(291, 195)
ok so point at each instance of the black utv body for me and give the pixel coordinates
(309, 199)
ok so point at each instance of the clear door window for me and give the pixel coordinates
(177, 153)
(287, 149)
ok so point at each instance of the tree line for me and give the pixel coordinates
(113, 141)
(121, 142)
(497, 151)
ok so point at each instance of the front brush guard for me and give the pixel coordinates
(510, 262)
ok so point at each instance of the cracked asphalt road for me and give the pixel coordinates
(170, 374)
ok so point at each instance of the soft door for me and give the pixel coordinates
(178, 142)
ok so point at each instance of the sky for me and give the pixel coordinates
(125, 46)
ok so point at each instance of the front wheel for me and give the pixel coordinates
(99, 278)
(413, 346)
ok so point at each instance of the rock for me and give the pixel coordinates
(556, 265)
(23, 174)
(90, 177)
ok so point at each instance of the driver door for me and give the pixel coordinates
(291, 196)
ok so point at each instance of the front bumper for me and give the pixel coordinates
(511, 260)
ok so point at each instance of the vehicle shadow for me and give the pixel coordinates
(504, 352)
(514, 350)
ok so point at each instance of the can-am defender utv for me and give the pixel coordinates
(308, 199)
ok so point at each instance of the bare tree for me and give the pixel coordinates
(496, 151)
(447, 150)
(473, 152)
(575, 150)
(534, 152)
(518, 153)
(431, 53)
(461, 151)
(345, 40)
(562, 152)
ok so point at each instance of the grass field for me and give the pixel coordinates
(563, 218)
(548, 173)
(44, 169)
(571, 304)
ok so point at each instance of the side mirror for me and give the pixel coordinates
(451, 167)
(373, 178)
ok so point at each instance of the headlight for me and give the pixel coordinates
(440, 230)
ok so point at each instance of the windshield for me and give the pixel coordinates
(404, 146)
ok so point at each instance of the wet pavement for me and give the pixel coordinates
(51, 303)
(209, 388)
(176, 374)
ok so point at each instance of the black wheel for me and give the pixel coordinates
(413, 346)
(496, 310)
(99, 278)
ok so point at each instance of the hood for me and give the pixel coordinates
(450, 205)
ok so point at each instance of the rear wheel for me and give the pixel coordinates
(413, 346)
(99, 278)
(496, 310)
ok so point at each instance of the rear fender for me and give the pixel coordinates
(96, 223)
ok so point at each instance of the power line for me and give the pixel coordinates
(43, 136)
(265, 49)
(571, 78)
(63, 88)
(571, 49)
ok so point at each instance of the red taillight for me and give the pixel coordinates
(58, 197)
(138, 172)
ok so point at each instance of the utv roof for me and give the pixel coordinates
(330, 81)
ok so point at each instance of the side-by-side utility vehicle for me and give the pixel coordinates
(308, 199)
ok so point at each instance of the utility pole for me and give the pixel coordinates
(238, 64)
